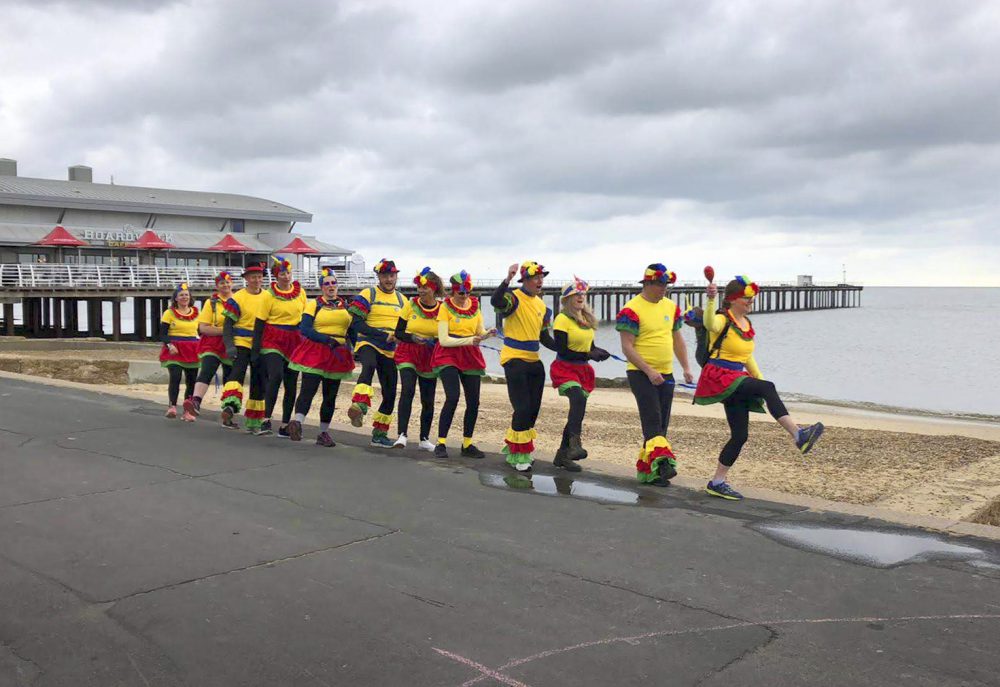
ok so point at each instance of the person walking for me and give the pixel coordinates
(211, 347)
(238, 334)
(179, 355)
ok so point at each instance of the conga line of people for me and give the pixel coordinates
(287, 342)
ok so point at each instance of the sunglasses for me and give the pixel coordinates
(330, 282)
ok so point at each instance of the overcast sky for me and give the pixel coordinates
(766, 138)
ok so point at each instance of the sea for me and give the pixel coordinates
(915, 350)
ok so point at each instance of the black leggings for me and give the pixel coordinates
(577, 409)
(451, 379)
(209, 365)
(525, 384)
(277, 374)
(238, 372)
(654, 403)
(409, 381)
(371, 362)
(174, 387)
(738, 414)
(310, 383)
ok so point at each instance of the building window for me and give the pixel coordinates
(237, 225)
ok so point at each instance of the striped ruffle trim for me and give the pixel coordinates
(653, 452)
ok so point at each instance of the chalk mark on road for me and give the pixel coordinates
(484, 671)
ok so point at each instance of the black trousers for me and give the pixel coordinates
(372, 363)
(654, 402)
(209, 365)
(310, 383)
(525, 384)
(238, 372)
(577, 409)
(409, 381)
(738, 414)
(174, 374)
(277, 375)
(452, 379)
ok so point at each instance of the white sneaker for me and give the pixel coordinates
(523, 467)
(400, 441)
(426, 445)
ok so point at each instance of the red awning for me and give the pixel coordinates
(297, 246)
(231, 244)
(150, 240)
(60, 237)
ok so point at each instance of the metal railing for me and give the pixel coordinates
(77, 277)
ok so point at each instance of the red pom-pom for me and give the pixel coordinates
(709, 273)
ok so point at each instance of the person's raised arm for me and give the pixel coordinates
(502, 300)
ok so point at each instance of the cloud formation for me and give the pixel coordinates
(771, 138)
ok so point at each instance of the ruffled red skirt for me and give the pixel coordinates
(566, 375)
(311, 357)
(214, 346)
(186, 355)
(717, 383)
(416, 357)
(281, 341)
(468, 359)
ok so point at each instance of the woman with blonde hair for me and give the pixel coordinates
(571, 371)
(179, 355)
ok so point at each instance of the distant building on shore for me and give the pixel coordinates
(102, 222)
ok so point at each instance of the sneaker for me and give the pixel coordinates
(440, 451)
(808, 436)
(400, 441)
(171, 413)
(188, 417)
(381, 442)
(471, 451)
(574, 451)
(265, 428)
(283, 433)
(426, 445)
(324, 439)
(561, 461)
(226, 418)
(723, 491)
(666, 471)
(192, 407)
(357, 415)
(523, 467)
(294, 430)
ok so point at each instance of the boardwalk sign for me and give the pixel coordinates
(117, 238)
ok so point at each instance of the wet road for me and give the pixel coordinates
(137, 551)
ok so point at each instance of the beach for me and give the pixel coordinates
(916, 464)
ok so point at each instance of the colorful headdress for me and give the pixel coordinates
(658, 273)
(422, 278)
(576, 286)
(180, 287)
(691, 315)
(255, 268)
(461, 282)
(280, 265)
(750, 289)
(385, 266)
(325, 273)
(530, 269)
(223, 276)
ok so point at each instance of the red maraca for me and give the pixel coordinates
(709, 273)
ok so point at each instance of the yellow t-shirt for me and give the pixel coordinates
(461, 323)
(523, 326)
(216, 317)
(580, 339)
(738, 346)
(420, 321)
(242, 308)
(653, 325)
(181, 326)
(380, 310)
(285, 307)
(332, 319)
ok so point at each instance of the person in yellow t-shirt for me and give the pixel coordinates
(238, 333)
(179, 334)
(416, 333)
(571, 371)
(459, 362)
(277, 339)
(376, 310)
(732, 377)
(526, 322)
(211, 347)
(649, 327)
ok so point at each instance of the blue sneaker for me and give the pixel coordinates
(723, 491)
(382, 442)
(809, 436)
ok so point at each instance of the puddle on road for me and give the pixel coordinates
(872, 547)
(561, 486)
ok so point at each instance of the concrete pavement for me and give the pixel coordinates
(139, 551)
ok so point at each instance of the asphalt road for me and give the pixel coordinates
(139, 551)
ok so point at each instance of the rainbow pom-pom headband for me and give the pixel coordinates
(750, 289)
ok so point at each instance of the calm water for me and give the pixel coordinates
(930, 349)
